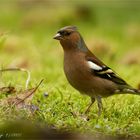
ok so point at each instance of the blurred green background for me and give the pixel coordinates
(111, 29)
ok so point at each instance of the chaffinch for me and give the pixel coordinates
(85, 72)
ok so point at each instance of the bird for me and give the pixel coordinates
(87, 73)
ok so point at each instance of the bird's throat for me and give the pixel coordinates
(74, 45)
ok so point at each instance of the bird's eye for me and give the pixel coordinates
(67, 33)
(64, 33)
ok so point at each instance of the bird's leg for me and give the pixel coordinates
(92, 101)
(100, 105)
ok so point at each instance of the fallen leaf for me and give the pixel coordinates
(22, 99)
(8, 89)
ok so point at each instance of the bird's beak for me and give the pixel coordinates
(57, 36)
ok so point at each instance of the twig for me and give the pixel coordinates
(30, 93)
(19, 69)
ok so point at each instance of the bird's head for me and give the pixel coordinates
(70, 38)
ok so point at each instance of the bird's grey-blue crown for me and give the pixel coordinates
(69, 27)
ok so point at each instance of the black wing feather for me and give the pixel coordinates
(107, 73)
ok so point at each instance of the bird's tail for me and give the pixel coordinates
(131, 91)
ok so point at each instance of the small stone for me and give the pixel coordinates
(46, 94)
